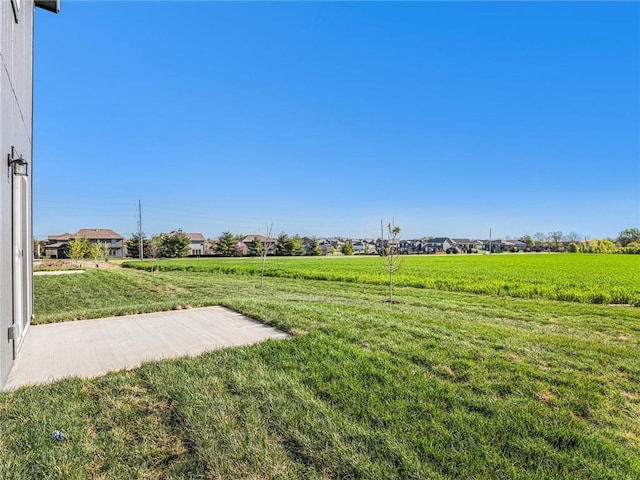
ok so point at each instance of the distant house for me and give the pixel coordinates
(336, 243)
(513, 246)
(268, 243)
(326, 247)
(369, 245)
(438, 244)
(464, 244)
(359, 246)
(410, 246)
(196, 244)
(500, 246)
(380, 244)
(308, 242)
(114, 240)
(57, 246)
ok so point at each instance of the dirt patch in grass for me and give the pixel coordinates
(68, 264)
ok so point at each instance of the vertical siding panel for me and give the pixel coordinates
(16, 86)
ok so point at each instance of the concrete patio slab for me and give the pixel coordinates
(89, 348)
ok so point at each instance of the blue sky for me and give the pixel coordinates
(449, 117)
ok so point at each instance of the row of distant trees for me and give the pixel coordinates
(628, 241)
(173, 245)
(229, 245)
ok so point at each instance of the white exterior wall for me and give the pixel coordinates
(196, 248)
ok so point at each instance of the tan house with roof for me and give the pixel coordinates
(58, 245)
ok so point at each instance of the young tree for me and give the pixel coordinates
(541, 238)
(347, 248)
(297, 246)
(256, 247)
(154, 249)
(268, 247)
(314, 247)
(391, 260)
(78, 250)
(226, 246)
(556, 239)
(99, 251)
(571, 237)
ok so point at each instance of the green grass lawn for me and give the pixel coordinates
(440, 385)
(569, 277)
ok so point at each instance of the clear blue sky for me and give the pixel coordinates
(451, 118)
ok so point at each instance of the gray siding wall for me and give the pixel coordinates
(16, 87)
(117, 246)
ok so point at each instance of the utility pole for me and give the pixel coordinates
(490, 241)
(140, 241)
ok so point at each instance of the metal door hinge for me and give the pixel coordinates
(13, 332)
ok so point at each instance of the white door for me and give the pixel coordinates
(20, 288)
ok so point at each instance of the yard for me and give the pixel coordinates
(574, 278)
(443, 384)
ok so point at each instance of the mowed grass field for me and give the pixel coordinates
(569, 277)
(441, 385)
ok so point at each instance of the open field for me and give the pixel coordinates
(441, 385)
(576, 278)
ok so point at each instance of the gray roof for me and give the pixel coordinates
(57, 245)
(438, 240)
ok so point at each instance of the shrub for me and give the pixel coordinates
(633, 247)
(572, 248)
